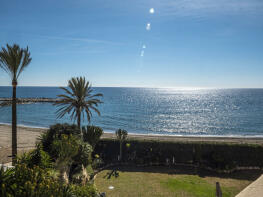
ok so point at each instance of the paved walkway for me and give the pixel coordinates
(255, 189)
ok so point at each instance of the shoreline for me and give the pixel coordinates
(157, 134)
(27, 137)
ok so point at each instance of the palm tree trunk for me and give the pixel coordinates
(78, 120)
(79, 124)
(14, 127)
(63, 175)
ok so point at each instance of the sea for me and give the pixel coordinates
(155, 111)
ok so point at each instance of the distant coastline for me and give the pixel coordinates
(146, 87)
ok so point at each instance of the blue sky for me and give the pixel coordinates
(190, 43)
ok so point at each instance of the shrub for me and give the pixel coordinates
(37, 157)
(92, 134)
(66, 148)
(36, 182)
(84, 191)
(55, 132)
(6, 182)
(83, 157)
(97, 162)
(30, 182)
(80, 163)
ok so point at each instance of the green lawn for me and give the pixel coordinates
(165, 181)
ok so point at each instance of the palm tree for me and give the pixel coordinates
(78, 100)
(121, 135)
(14, 60)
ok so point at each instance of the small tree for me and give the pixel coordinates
(121, 135)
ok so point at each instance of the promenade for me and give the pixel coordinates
(255, 189)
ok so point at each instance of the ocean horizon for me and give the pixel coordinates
(157, 111)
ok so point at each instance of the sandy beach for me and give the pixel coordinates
(28, 136)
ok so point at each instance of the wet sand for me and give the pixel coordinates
(27, 138)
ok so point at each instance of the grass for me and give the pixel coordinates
(193, 186)
(174, 182)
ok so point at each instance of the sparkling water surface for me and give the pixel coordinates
(220, 112)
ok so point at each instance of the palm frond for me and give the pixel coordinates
(67, 91)
(78, 100)
(26, 60)
(63, 110)
(95, 109)
(13, 60)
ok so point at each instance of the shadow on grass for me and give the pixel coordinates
(250, 175)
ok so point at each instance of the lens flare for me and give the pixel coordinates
(148, 26)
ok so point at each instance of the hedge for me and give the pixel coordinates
(223, 156)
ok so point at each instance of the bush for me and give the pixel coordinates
(6, 182)
(80, 163)
(24, 181)
(84, 191)
(55, 132)
(35, 182)
(37, 157)
(92, 134)
(83, 156)
(70, 153)
(66, 147)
